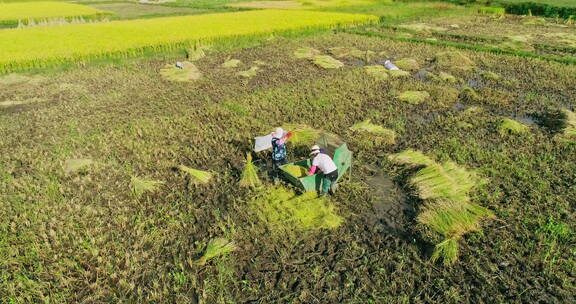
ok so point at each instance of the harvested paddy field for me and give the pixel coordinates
(524, 35)
(100, 203)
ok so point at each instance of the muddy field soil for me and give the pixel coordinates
(83, 237)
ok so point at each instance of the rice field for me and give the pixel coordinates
(37, 47)
(11, 13)
(550, 39)
(134, 180)
(559, 3)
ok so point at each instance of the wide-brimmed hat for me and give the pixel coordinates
(278, 133)
(314, 150)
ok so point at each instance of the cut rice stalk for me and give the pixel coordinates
(414, 97)
(377, 71)
(446, 250)
(215, 248)
(285, 212)
(445, 181)
(250, 174)
(249, 73)
(369, 134)
(141, 186)
(327, 62)
(511, 127)
(188, 72)
(231, 63)
(294, 170)
(197, 176)
(302, 135)
(453, 219)
(306, 53)
(412, 158)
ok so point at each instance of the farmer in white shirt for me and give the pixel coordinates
(323, 162)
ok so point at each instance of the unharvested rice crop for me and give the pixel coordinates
(37, 47)
(196, 53)
(13, 12)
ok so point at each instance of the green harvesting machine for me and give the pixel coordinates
(341, 156)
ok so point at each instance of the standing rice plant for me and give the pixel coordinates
(42, 10)
(38, 47)
(250, 177)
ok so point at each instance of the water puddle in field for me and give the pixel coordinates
(389, 207)
(355, 62)
(553, 122)
(424, 118)
(422, 75)
(473, 83)
(380, 61)
(527, 119)
(459, 107)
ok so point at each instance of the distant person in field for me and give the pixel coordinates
(279, 138)
(326, 165)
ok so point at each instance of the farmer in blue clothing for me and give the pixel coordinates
(279, 138)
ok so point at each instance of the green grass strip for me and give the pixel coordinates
(478, 48)
(44, 46)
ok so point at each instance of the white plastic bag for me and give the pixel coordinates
(262, 143)
(390, 66)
